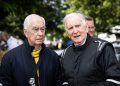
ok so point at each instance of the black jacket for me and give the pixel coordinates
(18, 67)
(92, 64)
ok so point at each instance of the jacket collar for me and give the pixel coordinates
(30, 48)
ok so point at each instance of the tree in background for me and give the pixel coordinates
(13, 13)
(106, 13)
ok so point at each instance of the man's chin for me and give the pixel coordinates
(38, 42)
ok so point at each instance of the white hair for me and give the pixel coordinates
(29, 18)
(74, 14)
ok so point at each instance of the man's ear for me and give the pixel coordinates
(67, 34)
(25, 33)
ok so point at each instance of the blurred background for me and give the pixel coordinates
(106, 15)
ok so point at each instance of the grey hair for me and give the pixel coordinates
(83, 20)
(28, 20)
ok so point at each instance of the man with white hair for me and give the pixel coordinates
(31, 64)
(88, 61)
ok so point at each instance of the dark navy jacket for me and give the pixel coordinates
(18, 67)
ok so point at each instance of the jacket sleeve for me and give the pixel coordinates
(5, 71)
(110, 67)
(57, 72)
(58, 75)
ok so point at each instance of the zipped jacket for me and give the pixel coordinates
(18, 67)
(92, 64)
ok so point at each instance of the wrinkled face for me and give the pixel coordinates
(91, 27)
(35, 32)
(76, 30)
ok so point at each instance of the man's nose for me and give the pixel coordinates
(75, 30)
(40, 32)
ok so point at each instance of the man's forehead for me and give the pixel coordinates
(36, 19)
(35, 22)
(90, 22)
(74, 20)
(38, 25)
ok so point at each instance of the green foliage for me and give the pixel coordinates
(13, 13)
(106, 13)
